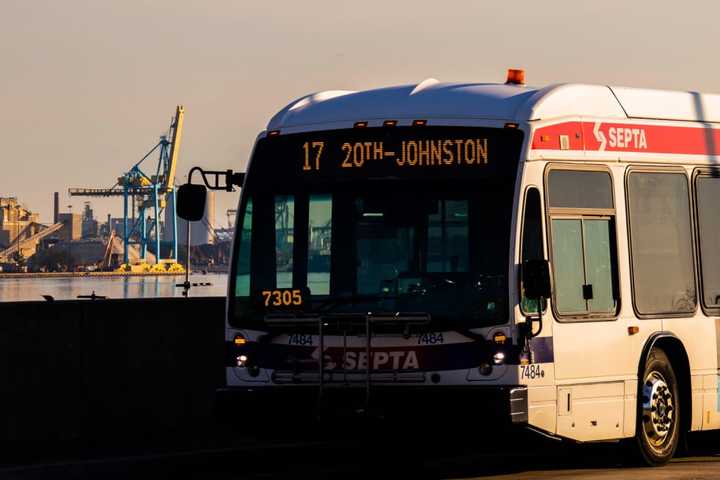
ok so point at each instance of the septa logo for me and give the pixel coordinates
(357, 359)
(600, 136)
(618, 137)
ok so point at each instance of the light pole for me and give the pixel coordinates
(17, 236)
(70, 232)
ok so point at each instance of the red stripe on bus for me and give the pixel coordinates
(623, 137)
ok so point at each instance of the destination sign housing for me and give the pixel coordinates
(389, 152)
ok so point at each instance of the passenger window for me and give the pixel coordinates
(707, 190)
(583, 238)
(532, 242)
(661, 242)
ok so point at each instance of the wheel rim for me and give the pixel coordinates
(658, 410)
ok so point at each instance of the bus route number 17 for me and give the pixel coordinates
(313, 150)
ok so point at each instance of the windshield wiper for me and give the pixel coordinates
(327, 304)
(325, 307)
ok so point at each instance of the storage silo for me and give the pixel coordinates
(202, 232)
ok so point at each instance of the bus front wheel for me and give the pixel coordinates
(658, 421)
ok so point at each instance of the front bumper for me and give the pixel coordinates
(488, 404)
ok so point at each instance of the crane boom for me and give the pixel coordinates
(175, 146)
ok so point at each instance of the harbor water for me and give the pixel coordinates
(68, 288)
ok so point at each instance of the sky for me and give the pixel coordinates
(87, 87)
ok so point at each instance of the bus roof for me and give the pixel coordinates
(432, 99)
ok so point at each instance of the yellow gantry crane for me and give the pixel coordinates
(148, 193)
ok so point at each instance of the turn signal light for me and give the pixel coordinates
(360, 124)
(499, 338)
(515, 76)
(273, 133)
(239, 340)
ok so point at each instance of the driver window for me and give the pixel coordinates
(532, 242)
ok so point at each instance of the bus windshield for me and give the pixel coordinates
(432, 245)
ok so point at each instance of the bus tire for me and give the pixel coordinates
(657, 433)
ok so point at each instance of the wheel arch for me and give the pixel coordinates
(676, 353)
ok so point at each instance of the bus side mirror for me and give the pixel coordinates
(191, 202)
(535, 276)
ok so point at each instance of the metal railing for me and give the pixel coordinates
(344, 325)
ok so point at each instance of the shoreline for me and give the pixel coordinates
(7, 275)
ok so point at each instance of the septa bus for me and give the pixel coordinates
(550, 252)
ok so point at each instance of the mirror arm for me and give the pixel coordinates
(530, 334)
(212, 179)
(526, 330)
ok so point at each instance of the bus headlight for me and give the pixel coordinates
(499, 358)
(241, 360)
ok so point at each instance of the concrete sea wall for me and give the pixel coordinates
(84, 370)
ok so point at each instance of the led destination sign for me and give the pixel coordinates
(389, 152)
(411, 153)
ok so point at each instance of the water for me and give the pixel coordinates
(66, 288)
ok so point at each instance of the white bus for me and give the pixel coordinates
(383, 237)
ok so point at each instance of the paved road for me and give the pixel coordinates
(694, 468)
(373, 457)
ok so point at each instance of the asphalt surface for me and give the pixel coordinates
(374, 453)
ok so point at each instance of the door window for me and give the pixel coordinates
(583, 266)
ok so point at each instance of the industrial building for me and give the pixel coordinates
(89, 224)
(16, 221)
(20, 230)
(71, 226)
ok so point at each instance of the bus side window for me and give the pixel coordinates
(532, 242)
(661, 243)
(582, 219)
(707, 190)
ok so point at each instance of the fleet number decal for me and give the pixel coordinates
(282, 298)
(531, 371)
(300, 339)
(431, 338)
